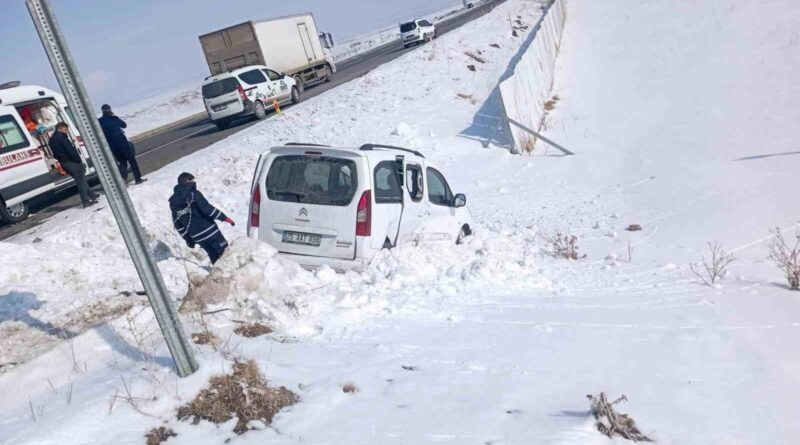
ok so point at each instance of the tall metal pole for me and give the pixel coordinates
(69, 79)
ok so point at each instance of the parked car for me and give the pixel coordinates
(340, 206)
(418, 31)
(28, 117)
(248, 91)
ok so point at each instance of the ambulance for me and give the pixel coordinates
(28, 117)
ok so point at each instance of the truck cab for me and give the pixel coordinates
(28, 116)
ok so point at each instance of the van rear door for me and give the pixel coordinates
(309, 203)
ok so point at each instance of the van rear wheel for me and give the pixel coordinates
(300, 87)
(14, 214)
(295, 96)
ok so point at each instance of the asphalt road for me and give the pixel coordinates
(161, 149)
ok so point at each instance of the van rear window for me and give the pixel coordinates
(220, 87)
(11, 135)
(312, 180)
(406, 27)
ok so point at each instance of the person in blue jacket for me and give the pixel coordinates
(194, 218)
(123, 150)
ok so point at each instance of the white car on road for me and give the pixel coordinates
(418, 31)
(247, 91)
(322, 205)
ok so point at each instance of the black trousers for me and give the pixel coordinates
(126, 160)
(215, 246)
(78, 173)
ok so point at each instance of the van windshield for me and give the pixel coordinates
(317, 180)
(406, 27)
(220, 87)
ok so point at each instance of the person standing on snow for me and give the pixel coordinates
(69, 158)
(193, 218)
(123, 150)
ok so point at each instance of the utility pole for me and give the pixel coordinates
(69, 79)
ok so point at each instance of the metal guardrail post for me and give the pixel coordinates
(69, 79)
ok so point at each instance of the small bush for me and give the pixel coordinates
(474, 57)
(251, 330)
(349, 388)
(716, 269)
(157, 436)
(786, 258)
(611, 423)
(563, 246)
(244, 395)
(551, 103)
(204, 338)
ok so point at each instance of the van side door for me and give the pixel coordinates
(256, 86)
(444, 217)
(415, 210)
(22, 162)
(278, 87)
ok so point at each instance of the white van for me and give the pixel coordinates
(28, 116)
(248, 91)
(339, 206)
(418, 31)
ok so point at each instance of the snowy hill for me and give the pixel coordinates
(681, 116)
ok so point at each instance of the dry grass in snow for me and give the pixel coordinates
(243, 394)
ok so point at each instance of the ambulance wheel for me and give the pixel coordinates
(14, 214)
(295, 95)
(259, 111)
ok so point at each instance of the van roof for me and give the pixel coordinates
(233, 73)
(11, 96)
(293, 147)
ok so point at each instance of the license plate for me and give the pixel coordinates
(308, 239)
(220, 108)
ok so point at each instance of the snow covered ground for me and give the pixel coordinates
(681, 116)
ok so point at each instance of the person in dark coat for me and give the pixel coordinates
(69, 158)
(123, 150)
(193, 218)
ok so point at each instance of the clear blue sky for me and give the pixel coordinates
(128, 50)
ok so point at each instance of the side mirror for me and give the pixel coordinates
(459, 200)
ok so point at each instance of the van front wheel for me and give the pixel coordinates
(259, 110)
(14, 214)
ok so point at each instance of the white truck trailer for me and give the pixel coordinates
(291, 45)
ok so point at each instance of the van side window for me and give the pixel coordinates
(272, 75)
(387, 184)
(415, 184)
(438, 191)
(253, 77)
(11, 136)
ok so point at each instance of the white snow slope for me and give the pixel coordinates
(681, 117)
